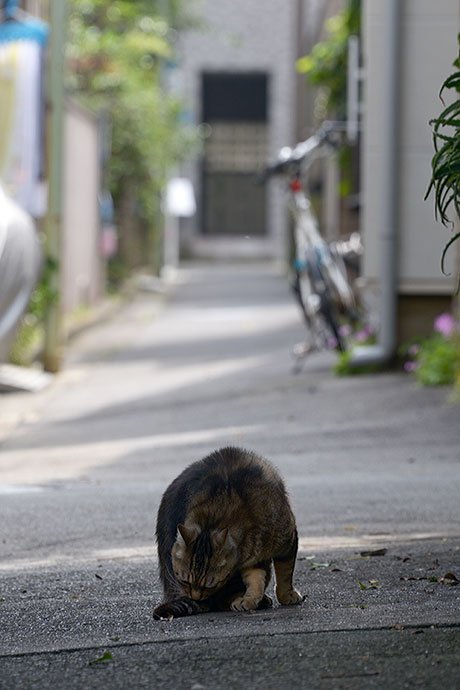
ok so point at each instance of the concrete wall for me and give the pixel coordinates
(429, 46)
(82, 266)
(245, 36)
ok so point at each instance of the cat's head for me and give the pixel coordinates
(203, 560)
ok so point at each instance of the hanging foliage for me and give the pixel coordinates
(118, 53)
(445, 177)
(326, 65)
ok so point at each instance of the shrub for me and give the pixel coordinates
(436, 360)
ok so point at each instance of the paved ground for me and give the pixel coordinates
(373, 468)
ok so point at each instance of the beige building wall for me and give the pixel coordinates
(429, 46)
(82, 266)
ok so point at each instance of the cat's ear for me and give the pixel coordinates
(220, 537)
(188, 534)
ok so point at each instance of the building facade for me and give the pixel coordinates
(238, 78)
(427, 44)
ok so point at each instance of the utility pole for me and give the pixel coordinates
(54, 150)
(300, 88)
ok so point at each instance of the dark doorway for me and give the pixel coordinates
(235, 108)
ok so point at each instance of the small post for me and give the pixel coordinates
(54, 150)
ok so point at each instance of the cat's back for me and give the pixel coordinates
(223, 473)
(233, 469)
(233, 479)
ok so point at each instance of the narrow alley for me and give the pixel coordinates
(371, 463)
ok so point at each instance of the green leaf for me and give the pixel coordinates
(102, 659)
(304, 64)
(371, 585)
(444, 252)
(320, 565)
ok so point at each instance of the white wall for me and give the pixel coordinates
(82, 266)
(429, 46)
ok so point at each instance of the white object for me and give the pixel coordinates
(20, 262)
(180, 198)
(20, 120)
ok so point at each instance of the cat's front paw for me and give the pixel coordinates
(244, 603)
(288, 597)
(163, 612)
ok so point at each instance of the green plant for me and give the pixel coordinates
(439, 361)
(343, 366)
(445, 164)
(326, 65)
(118, 55)
(435, 361)
(30, 333)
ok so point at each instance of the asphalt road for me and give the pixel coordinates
(372, 464)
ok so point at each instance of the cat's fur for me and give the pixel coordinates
(221, 524)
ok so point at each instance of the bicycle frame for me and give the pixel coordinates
(307, 236)
(321, 282)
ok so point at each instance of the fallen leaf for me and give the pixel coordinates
(377, 552)
(449, 579)
(371, 585)
(451, 576)
(350, 528)
(356, 558)
(320, 565)
(105, 657)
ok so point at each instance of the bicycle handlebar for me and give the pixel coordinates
(288, 157)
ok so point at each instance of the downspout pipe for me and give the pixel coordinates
(384, 350)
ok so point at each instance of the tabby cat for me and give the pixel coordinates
(221, 524)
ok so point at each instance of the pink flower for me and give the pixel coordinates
(413, 350)
(445, 324)
(344, 330)
(410, 366)
(332, 343)
(362, 335)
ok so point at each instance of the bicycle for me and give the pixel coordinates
(320, 277)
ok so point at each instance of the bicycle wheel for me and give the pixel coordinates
(327, 312)
(299, 289)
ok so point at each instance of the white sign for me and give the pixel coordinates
(180, 198)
